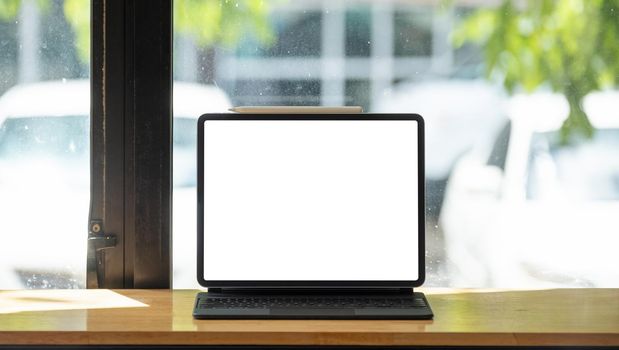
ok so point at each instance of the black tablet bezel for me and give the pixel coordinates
(312, 284)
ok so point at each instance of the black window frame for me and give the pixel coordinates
(130, 220)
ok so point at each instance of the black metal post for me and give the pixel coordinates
(131, 144)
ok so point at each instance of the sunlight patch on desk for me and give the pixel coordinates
(52, 300)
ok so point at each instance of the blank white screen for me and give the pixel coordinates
(310, 200)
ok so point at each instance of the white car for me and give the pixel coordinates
(529, 211)
(461, 111)
(44, 177)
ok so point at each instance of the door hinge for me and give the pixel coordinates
(98, 242)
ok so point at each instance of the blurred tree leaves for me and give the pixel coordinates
(77, 13)
(222, 21)
(571, 46)
(209, 22)
(9, 9)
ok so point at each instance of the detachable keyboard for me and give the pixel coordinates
(412, 306)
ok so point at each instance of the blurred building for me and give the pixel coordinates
(334, 53)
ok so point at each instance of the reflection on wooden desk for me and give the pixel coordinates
(12, 301)
(462, 317)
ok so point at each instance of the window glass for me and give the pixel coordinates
(469, 68)
(412, 31)
(298, 34)
(358, 35)
(44, 143)
(498, 155)
(585, 171)
(358, 92)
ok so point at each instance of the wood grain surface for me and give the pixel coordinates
(462, 317)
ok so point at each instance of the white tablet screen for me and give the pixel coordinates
(310, 200)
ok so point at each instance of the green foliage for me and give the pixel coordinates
(77, 13)
(209, 22)
(8, 9)
(570, 46)
(222, 21)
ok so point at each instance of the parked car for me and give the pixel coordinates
(44, 176)
(460, 111)
(529, 210)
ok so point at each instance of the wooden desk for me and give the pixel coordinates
(462, 317)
